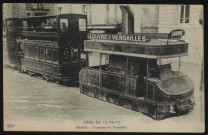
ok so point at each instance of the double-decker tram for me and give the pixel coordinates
(135, 72)
(53, 46)
(138, 75)
(138, 71)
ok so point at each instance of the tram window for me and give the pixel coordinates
(48, 25)
(55, 56)
(82, 25)
(175, 63)
(26, 53)
(19, 47)
(48, 55)
(64, 25)
(36, 49)
(168, 68)
(74, 54)
(66, 55)
(25, 25)
(10, 26)
(31, 52)
(105, 59)
(83, 55)
(42, 54)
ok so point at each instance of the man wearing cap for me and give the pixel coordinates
(64, 28)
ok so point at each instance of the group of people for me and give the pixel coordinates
(64, 27)
(48, 27)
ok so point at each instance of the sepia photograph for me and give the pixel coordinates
(84, 67)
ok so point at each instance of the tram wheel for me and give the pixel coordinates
(48, 79)
(57, 81)
(20, 71)
(44, 77)
(76, 84)
(32, 74)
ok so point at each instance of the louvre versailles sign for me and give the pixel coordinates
(120, 37)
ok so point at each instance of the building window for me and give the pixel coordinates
(59, 10)
(28, 6)
(107, 17)
(40, 6)
(28, 14)
(184, 15)
(84, 9)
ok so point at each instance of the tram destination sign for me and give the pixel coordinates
(119, 37)
(178, 33)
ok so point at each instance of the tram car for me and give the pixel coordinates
(134, 72)
(53, 46)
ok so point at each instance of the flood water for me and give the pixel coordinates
(32, 101)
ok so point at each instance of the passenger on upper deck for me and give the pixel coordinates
(42, 26)
(11, 26)
(54, 27)
(31, 28)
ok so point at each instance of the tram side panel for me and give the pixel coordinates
(11, 35)
(154, 99)
(5, 52)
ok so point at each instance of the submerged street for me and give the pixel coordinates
(33, 104)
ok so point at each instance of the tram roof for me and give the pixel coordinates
(156, 49)
(47, 16)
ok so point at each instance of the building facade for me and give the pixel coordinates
(27, 9)
(96, 13)
(148, 19)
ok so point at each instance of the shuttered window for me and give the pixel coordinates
(185, 13)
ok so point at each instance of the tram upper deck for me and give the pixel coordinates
(155, 49)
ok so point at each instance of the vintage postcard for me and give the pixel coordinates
(103, 67)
